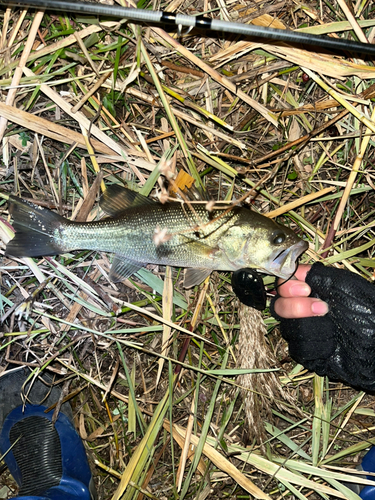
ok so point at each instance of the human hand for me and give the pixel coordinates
(327, 316)
(339, 344)
(294, 301)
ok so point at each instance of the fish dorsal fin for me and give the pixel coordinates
(194, 277)
(116, 199)
(122, 268)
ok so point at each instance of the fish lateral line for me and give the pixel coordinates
(136, 237)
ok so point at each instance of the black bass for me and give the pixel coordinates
(141, 231)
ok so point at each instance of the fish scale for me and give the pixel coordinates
(140, 231)
(133, 234)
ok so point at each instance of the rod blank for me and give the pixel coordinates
(206, 23)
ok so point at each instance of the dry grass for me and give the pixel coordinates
(152, 368)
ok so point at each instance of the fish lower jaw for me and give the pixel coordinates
(285, 271)
(284, 264)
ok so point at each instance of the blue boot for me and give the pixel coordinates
(47, 461)
(368, 465)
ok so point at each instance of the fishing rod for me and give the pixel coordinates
(168, 18)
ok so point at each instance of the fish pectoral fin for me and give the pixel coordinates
(116, 199)
(195, 276)
(200, 248)
(122, 268)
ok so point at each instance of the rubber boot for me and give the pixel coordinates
(48, 461)
(368, 465)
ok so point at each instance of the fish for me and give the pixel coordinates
(141, 231)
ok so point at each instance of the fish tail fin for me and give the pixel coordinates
(37, 230)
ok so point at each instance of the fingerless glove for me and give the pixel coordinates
(340, 344)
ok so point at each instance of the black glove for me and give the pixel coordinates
(340, 344)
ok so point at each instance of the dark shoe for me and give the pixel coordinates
(47, 461)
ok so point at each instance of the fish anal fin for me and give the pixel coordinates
(195, 276)
(116, 199)
(122, 268)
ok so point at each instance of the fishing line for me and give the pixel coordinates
(152, 17)
(180, 20)
(292, 276)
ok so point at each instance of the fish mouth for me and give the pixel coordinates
(283, 263)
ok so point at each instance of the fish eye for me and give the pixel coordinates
(278, 238)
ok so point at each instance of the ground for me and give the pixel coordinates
(284, 129)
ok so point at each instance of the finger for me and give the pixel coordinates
(300, 307)
(301, 272)
(294, 288)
